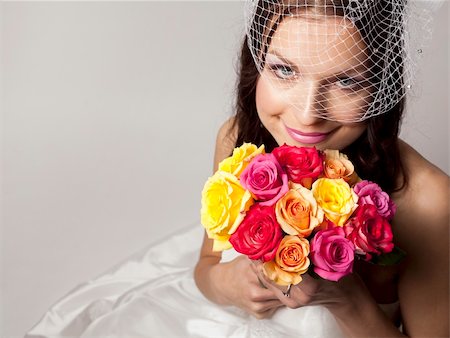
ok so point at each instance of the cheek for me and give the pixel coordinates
(348, 134)
(344, 106)
(268, 103)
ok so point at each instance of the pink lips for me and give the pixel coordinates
(307, 138)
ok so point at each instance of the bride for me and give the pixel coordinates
(328, 74)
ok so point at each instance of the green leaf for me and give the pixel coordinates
(392, 258)
(312, 273)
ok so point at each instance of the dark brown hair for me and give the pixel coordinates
(375, 153)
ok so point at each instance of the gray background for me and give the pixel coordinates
(109, 115)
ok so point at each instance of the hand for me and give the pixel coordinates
(311, 291)
(243, 289)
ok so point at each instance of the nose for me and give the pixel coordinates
(308, 101)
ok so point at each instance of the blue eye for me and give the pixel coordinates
(347, 82)
(282, 71)
(352, 84)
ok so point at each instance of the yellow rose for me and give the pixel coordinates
(291, 261)
(297, 211)
(224, 203)
(337, 165)
(236, 163)
(336, 198)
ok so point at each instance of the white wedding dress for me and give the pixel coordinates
(153, 294)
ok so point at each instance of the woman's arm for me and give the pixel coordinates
(205, 275)
(424, 235)
(231, 283)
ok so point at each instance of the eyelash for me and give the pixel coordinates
(356, 84)
(277, 68)
(280, 67)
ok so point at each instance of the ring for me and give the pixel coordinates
(288, 291)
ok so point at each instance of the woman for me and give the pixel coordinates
(309, 73)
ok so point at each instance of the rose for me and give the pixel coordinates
(371, 193)
(265, 179)
(297, 211)
(303, 165)
(291, 261)
(369, 232)
(332, 254)
(337, 165)
(336, 198)
(259, 234)
(224, 203)
(240, 158)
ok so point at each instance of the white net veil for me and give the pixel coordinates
(343, 60)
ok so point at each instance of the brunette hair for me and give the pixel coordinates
(375, 154)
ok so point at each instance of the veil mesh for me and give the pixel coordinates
(344, 60)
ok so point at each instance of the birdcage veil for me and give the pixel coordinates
(345, 60)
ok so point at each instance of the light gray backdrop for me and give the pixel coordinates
(109, 115)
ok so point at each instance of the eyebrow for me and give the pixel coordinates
(278, 55)
(357, 69)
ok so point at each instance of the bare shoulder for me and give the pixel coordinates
(428, 186)
(421, 228)
(425, 198)
(225, 141)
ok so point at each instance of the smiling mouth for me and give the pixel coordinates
(307, 138)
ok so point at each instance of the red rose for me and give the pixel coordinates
(302, 164)
(369, 232)
(259, 234)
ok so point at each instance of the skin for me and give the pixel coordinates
(293, 94)
(420, 226)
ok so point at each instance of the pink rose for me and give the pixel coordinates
(259, 234)
(265, 179)
(369, 232)
(302, 164)
(332, 254)
(371, 193)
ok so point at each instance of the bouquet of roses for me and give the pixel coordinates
(297, 208)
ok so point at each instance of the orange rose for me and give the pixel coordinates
(297, 211)
(291, 261)
(337, 165)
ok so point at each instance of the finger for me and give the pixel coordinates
(293, 299)
(272, 304)
(297, 296)
(278, 290)
(268, 283)
(257, 262)
(271, 285)
(261, 284)
(266, 314)
(260, 307)
(309, 285)
(258, 294)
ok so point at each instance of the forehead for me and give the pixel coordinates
(317, 39)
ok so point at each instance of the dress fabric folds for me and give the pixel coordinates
(153, 294)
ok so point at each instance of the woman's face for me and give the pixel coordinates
(315, 67)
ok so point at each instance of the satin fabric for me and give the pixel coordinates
(153, 294)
